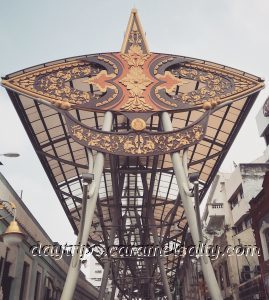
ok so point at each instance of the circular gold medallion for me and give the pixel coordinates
(138, 124)
(207, 105)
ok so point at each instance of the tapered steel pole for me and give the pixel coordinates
(90, 205)
(187, 201)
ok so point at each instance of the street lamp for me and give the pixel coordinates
(13, 234)
(9, 154)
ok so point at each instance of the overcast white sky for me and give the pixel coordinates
(230, 32)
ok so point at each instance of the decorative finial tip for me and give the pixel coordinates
(134, 10)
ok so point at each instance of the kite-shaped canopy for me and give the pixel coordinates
(62, 104)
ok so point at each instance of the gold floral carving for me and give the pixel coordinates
(136, 104)
(53, 83)
(50, 83)
(135, 36)
(135, 56)
(219, 85)
(136, 81)
(137, 143)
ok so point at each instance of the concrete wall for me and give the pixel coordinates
(232, 184)
(246, 237)
(252, 179)
(240, 210)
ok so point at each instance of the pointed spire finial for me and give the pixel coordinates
(134, 34)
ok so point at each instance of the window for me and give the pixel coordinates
(239, 228)
(98, 271)
(241, 192)
(50, 290)
(6, 280)
(37, 285)
(98, 279)
(58, 293)
(248, 222)
(233, 201)
(24, 281)
(264, 235)
(266, 137)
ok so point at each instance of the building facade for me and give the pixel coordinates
(260, 223)
(23, 275)
(227, 225)
(260, 204)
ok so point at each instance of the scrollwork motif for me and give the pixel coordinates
(217, 85)
(52, 83)
(137, 143)
(136, 80)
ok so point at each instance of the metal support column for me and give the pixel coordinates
(187, 201)
(104, 280)
(108, 262)
(159, 259)
(112, 295)
(197, 210)
(87, 217)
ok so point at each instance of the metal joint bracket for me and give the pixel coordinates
(193, 177)
(88, 177)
